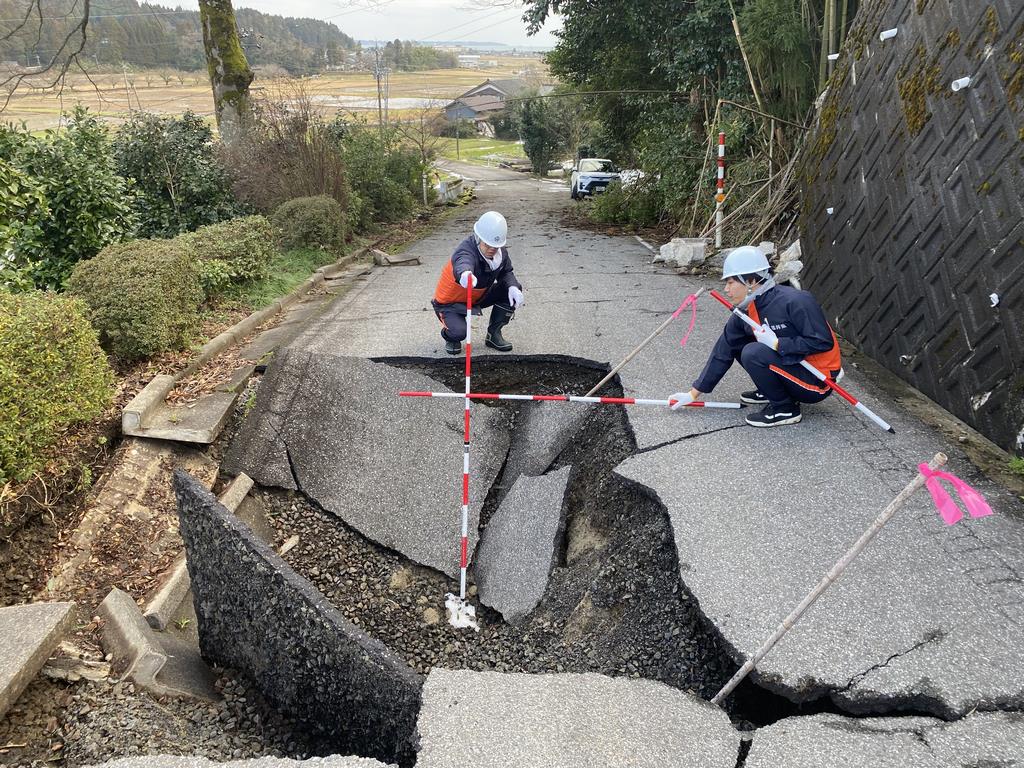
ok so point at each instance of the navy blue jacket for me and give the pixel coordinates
(467, 258)
(798, 321)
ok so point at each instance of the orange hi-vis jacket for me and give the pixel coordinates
(798, 321)
(449, 295)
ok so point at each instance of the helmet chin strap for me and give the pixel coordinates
(765, 285)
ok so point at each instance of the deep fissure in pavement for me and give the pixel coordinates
(614, 602)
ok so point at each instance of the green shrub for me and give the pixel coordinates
(637, 205)
(179, 182)
(22, 206)
(87, 204)
(53, 374)
(311, 222)
(235, 251)
(385, 177)
(141, 295)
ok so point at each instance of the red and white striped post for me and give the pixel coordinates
(720, 190)
(464, 554)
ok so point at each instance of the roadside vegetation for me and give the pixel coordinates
(175, 236)
(655, 82)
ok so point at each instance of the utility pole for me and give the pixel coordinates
(378, 73)
(127, 93)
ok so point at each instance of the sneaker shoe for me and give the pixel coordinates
(770, 416)
(453, 347)
(753, 397)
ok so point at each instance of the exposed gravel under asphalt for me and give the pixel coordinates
(614, 605)
(86, 723)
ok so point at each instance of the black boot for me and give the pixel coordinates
(453, 347)
(499, 319)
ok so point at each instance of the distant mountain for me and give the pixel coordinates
(143, 35)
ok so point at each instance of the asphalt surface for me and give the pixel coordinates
(565, 721)
(928, 619)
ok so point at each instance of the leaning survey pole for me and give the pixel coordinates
(230, 75)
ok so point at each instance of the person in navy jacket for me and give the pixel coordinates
(483, 259)
(792, 328)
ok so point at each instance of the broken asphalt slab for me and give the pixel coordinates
(391, 467)
(927, 618)
(832, 741)
(519, 545)
(567, 720)
(542, 431)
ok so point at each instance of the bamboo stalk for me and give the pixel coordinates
(842, 24)
(762, 114)
(830, 577)
(743, 53)
(824, 50)
(749, 200)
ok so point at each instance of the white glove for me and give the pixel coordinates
(681, 399)
(515, 297)
(766, 336)
(465, 278)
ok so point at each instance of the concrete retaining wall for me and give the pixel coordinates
(256, 615)
(449, 191)
(926, 187)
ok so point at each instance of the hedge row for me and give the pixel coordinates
(142, 295)
(53, 375)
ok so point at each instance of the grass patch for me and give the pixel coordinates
(1016, 465)
(480, 150)
(287, 269)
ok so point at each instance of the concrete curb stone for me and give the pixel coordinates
(30, 634)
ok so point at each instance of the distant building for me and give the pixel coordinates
(469, 61)
(490, 96)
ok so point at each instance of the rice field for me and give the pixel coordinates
(113, 95)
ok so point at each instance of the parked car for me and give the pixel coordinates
(590, 176)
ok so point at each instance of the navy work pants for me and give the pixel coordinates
(781, 384)
(453, 318)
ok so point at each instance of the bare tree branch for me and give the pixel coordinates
(63, 58)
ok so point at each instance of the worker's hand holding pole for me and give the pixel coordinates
(817, 374)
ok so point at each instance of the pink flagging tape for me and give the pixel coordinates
(571, 399)
(691, 302)
(973, 501)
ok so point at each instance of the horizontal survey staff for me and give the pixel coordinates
(570, 399)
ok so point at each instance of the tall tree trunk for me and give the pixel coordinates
(229, 71)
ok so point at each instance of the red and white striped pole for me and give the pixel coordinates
(720, 190)
(464, 555)
(573, 399)
(461, 614)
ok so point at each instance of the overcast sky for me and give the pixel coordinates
(410, 19)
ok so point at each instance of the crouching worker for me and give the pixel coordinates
(483, 260)
(793, 328)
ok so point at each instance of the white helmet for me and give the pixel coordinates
(492, 229)
(745, 260)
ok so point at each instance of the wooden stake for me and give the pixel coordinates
(837, 569)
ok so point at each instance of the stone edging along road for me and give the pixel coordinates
(135, 414)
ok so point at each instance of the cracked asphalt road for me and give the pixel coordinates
(929, 619)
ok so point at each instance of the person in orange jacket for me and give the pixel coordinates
(483, 259)
(792, 328)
